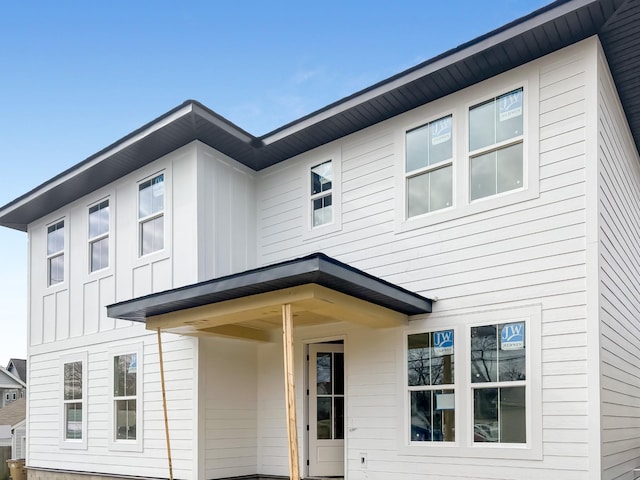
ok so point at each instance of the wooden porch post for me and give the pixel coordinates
(164, 405)
(290, 392)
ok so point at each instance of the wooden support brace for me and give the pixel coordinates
(164, 406)
(290, 392)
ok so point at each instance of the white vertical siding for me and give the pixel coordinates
(45, 410)
(522, 253)
(620, 285)
(226, 215)
(229, 370)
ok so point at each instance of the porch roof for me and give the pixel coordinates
(247, 304)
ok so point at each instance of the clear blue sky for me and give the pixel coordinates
(77, 76)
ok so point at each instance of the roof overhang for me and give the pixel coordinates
(249, 304)
(548, 29)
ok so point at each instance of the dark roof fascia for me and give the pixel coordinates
(449, 57)
(320, 127)
(313, 269)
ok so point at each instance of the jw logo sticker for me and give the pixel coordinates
(510, 105)
(443, 343)
(440, 131)
(512, 336)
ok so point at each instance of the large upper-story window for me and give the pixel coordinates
(55, 253)
(430, 367)
(429, 167)
(151, 214)
(99, 236)
(322, 194)
(496, 132)
(499, 382)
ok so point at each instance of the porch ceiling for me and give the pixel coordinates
(249, 304)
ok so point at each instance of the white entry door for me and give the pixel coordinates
(326, 410)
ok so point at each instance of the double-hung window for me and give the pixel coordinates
(430, 359)
(73, 411)
(496, 135)
(73, 418)
(151, 215)
(125, 396)
(499, 382)
(429, 167)
(322, 194)
(55, 253)
(99, 236)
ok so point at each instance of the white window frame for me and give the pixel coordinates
(114, 443)
(102, 236)
(57, 253)
(500, 384)
(498, 146)
(458, 104)
(430, 168)
(316, 158)
(73, 443)
(152, 216)
(429, 388)
(463, 446)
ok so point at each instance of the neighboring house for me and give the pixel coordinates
(475, 315)
(18, 368)
(12, 388)
(13, 431)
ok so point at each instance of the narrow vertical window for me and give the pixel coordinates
(496, 136)
(73, 401)
(431, 384)
(499, 382)
(125, 395)
(99, 236)
(151, 215)
(321, 194)
(55, 253)
(429, 167)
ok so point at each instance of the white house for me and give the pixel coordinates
(436, 277)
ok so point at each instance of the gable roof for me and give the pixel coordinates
(13, 413)
(7, 380)
(20, 366)
(550, 28)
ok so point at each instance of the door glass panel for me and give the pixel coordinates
(338, 387)
(324, 374)
(324, 418)
(338, 417)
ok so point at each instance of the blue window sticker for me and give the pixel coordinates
(512, 336)
(510, 105)
(443, 343)
(440, 131)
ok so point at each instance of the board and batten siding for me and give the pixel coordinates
(45, 410)
(529, 252)
(619, 208)
(75, 307)
(226, 215)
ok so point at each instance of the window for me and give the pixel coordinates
(429, 167)
(430, 360)
(125, 389)
(496, 145)
(498, 383)
(72, 400)
(14, 395)
(321, 194)
(151, 214)
(55, 253)
(99, 236)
